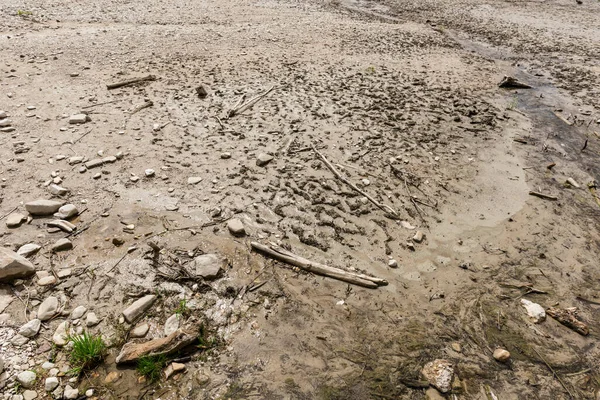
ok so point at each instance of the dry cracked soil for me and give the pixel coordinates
(369, 136)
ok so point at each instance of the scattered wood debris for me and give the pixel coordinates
(568, 317)
(509, 82)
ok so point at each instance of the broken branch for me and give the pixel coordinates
(130, 82)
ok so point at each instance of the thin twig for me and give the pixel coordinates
(101, 104)
(81, 137)
(117, 263)
(328, 164)
(10, 212)
(240, 109)
(554, 373)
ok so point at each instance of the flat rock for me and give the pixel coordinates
(433, 394)
(67, 211)
(13, 266)
(208, 266)
(173, 368)
(78, 119)
(57, 190)
(27, 250)
(60, 337)
(535, 312)
(62, 245)
(43, 207)
(263, 159)
(439, 374)
(51, 384)
(140, 331)
(192, 180)
(94, 163)
(75, 160)
(19, 340)
(31, 328)
(70, 393)
(30, 395)
(78, 312)
(48, 308)
(138, 307)
(15, 220)
(172, 324)
(27, 379)
(47, 281)
(236, 227)
(91, 320)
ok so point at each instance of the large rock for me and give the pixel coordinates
(138, 307)
(208, 266)
(439, 374)
(43, 207)
(163, 346)
(31, 328)
(48, 308)
(27, 379)
(13, 266)
(534, 310)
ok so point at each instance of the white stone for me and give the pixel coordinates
(78, 312)
(192, 180)
(13, 266)
(60, 337)
(140, 331)
(48, 308)
(27, 379)
(43, 207)
(138, 308)
(91, 320)
(236, 227)
(534, 310)
(393, 263)
(89, 393)
(47, 281)
(62, 245)
(149, 173)
(31, 328)
(28, 250)
(70, 393)
(57, 190)
(29, 395)
(78, 119)
(67, 211)
(51, 384)
(172, 324)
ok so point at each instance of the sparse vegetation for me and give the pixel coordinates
(23, 13)
(151, 367)
(182, 309)
(88, 351)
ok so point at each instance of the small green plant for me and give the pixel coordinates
(151, 367)
(23, 13)
(513, 104)
(205, 340)
(182, 309)
(88, 351)
(371, 70)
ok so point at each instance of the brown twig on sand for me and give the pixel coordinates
(101, 104)
(146, 104)
(330, 166)
(290, 258)
(240, 109)
(130, 82)
(10, 212)
(554, 373)
(542, 195)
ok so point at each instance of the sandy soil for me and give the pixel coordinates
(403, 98)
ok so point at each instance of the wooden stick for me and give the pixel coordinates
(147, 104)
(240, 109)
(542, 195)
(130, 82)
(383, 207)
(554, 373)
(10, 212)
(285, 256)
(81, 137)
(101, 104)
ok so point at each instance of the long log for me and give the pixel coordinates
(283, 255)
(130, 82)
(568, 318)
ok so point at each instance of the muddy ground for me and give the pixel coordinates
(403, 98)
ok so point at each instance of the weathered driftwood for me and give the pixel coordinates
(543, 196)
(568, 318)
(283, 255)
(513, 83)
(130, 82)
(164, 346)
(342, 178)
(238, 109)
(146, 104)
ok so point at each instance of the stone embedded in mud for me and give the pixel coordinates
(13, 266)
(138, 307)
(91, 320)
(173, 368)
(433, 394)
(439, 374)
(31, 328)
(62, 245)
(78, 312)
(57, 190)
(15, 220)
(501, 355)
(263, 159)
(236, 227)
(43, 207)
(208, 266)
(419, 236)
(192, 180)
(534, 310)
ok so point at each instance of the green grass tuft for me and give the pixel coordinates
(151, 367)
(88, 351)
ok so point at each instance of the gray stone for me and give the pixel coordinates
(236, 227)
(19, 340)
(208, 266)
(140, 331)
(15, 220)
(393, 263)
(172, 324)
(31, 328)
(48, 308)
(94, 163)
(5, 122)
(51, 384)
(149, 173)
(13, 266)
(70, 393)
(57, 393)
(61, 334)
(27, 379)
(439, 374)
(192, 180)
(67, 211)
(28, 250)
(29, 395)
(1, 365)
(109, 159)
(419, 236)
(78, 119)
(62, 245)
(263, 159)
(43, 207)
(47, 280)
(91, 320)
(75, 160)
(57, 190)
(78, 312)
(138, 307)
